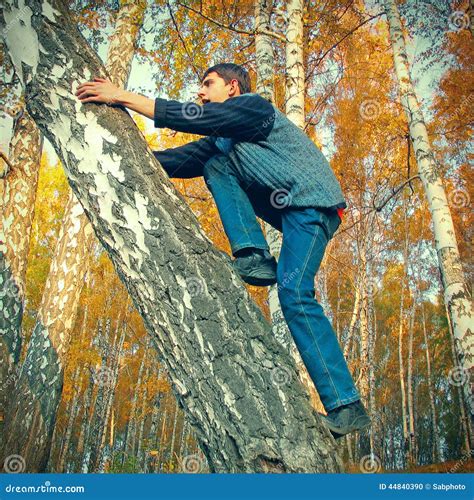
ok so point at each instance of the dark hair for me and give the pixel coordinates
(231, 71)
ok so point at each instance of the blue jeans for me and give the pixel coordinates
(306, 233)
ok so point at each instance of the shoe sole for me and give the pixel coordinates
(339, 431)
(259, 280)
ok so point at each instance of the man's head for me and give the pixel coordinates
(222, 81)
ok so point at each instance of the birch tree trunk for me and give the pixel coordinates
(102, 378)
(463, 417)
(411, 403)
(371, 362)
(456, 293)
(32, 410)
(265, 87)
(214, 341)
(40, 384)
(132, 421)
(113, 369)
(265, 65)
(73, 406)
(142, 416)
(437, 454)
(18, 204)
(401, 340)
(353, 321)
(364, 324)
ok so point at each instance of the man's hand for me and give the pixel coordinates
(100, 90)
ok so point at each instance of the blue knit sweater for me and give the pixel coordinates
(263, 144)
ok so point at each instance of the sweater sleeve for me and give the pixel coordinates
(248, 117)
(185, 162)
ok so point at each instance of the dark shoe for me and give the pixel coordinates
(258, 268)
(347, 418)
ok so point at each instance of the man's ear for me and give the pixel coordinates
(234, 90)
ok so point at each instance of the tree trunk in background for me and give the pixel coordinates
(354, 318)
(32, 411)
(264, 55)
(18, 203)
(437, 453)
(142, 417)
(43, 380)
(295, 88)
(401, 329)
(101, 376)
(73, 412)
(463, 416)
(376, 427)
(158, 248)
(86, 420)
(411, 403)
(111, 386)
(173, 435)
(363, 377)
(456, 293)
(471, 16)
(265, 66)
(132, 421)
(265, 62)
(73, 406)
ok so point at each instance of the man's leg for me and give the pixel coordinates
(253, 261)
(236, 212)
(306, 232)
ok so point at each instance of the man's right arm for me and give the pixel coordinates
(186, 162)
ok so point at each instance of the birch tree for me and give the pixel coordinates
(214, 341)
(31, 419)
(456, 293)
(15, 228)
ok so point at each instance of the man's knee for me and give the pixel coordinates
(288, 289)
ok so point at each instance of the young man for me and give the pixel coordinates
(256, 162)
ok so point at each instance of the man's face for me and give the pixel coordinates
(214, 89)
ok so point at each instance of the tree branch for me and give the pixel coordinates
(182, 41)
(4, 157)
(277, 36)
(395, 191)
